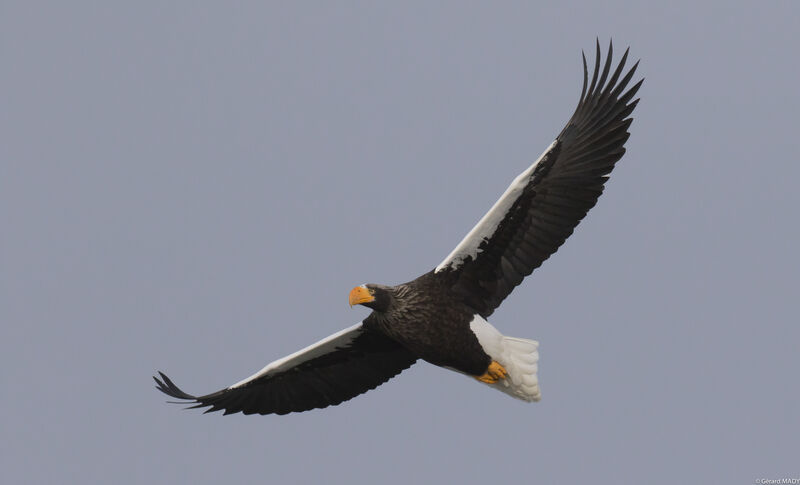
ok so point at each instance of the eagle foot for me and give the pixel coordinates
(494, 373)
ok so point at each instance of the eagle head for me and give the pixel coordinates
(376, 297)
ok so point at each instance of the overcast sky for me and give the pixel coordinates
(196, 187)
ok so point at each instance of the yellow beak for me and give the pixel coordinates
(359, 295)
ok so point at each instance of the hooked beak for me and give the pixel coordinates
(359, 295)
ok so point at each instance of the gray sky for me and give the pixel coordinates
(195, 188)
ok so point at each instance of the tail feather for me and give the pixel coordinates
(519, 356)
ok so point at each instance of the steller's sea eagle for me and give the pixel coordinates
(441, 316)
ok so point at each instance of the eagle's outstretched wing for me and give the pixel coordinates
(335, 369)
(542, 206)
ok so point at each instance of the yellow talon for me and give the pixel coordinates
(494, 373)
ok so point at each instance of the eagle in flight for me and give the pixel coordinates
(441, 317)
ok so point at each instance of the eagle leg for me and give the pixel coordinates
(494, 373)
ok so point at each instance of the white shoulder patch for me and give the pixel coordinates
(324, 346)
(520, 358)
(484, 230)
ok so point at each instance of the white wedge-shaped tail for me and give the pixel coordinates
(519, 356)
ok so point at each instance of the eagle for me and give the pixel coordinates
(441, 317)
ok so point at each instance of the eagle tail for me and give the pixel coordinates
(518, 356)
